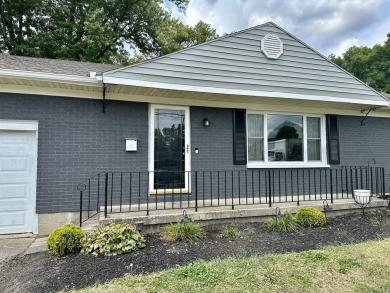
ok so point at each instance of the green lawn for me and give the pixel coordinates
(362, 267)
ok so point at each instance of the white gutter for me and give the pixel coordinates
(53, 77)
(158, 85)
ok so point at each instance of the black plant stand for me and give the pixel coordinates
(360, 200)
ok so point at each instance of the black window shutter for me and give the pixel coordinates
(333, 139)
(239, 137)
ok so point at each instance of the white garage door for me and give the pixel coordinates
(18, 155)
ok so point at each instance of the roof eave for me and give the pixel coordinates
(111, 80)
(52, 77)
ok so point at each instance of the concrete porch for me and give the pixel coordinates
(210, 215)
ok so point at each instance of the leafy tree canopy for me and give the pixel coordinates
(286, 132)
(95, 30)
(371, 65)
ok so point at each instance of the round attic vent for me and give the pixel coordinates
(271, 46)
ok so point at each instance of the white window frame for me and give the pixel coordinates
(291, 164)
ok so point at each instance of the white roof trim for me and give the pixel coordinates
(54, 77)
(149, 84)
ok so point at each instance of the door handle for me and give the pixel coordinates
(188, 148)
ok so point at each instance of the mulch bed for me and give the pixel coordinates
(42, 272)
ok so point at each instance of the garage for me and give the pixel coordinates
(18, 169)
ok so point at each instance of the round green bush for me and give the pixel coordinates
(65, 240)
(310, 217)
(112, 239)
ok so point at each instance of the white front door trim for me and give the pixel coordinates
(187, 137)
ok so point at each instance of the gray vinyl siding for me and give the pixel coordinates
(236, 62)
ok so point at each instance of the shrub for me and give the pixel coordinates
(230, 232)
(183, 231)
(112, 239)
(287, 223)
(310, 217)
(65, 240)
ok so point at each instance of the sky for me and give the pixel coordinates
(329, 26)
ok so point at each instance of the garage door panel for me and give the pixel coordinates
(18, 153)
(16, 221)
(14, 164)
(16, 141)
(13, 218)
(13, 191)
(14, 137)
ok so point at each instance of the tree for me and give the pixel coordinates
(286, 132)
(95, 30)
(371, 65)
(174, 35)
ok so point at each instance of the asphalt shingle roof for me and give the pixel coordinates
(55, 66)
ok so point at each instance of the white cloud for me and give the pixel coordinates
(330, 26)
(344, 45)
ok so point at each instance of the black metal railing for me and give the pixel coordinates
(119, 192)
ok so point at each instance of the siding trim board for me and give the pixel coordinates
(243, 92)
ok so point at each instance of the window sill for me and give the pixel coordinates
(255, 165)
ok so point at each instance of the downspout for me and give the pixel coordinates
(104, 98)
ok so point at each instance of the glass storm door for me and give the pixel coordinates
(169, 156)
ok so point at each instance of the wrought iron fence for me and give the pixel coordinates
(119, 192)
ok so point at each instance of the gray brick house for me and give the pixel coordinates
(253, 100)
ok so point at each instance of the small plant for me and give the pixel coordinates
(112, 239)
(200, 272)
(348, 263)
(65, 240)
(287, 223)
(230, 232)
(314, 256)
(183, 231)
(310, 217)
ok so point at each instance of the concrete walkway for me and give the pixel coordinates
(14, 245)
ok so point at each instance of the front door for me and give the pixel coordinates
(169, 156)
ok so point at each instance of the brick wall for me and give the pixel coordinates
(360, 144)
(215, 143)
(76, 140)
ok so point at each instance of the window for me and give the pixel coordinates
(285, 137)
(285, 140)
(255, 137)
(313, 139)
